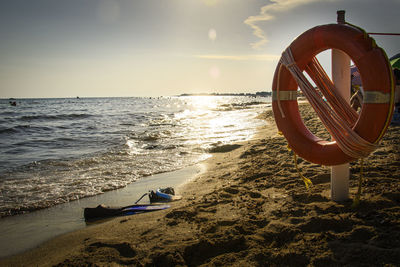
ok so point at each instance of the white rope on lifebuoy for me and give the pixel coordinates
(339, 128)
(354, 135)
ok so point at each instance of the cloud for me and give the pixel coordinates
(268, 12)
(261, 57)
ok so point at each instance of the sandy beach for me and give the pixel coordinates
(250, 208)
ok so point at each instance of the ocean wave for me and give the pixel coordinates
(47, 183)
(8, 130)
(8, 113)
(26, 128)
(55, 117)
(58, 152)
(65, 139)
(127, 124)
(238, 106)
(149, 137)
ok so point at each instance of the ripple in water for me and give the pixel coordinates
(59, 150)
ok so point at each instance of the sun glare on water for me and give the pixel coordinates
(213, 119)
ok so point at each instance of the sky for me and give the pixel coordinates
(115, 48)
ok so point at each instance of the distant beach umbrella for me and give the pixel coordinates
(395, 63)
(355, 76)
(395, 56)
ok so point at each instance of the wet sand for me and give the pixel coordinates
(250, 208)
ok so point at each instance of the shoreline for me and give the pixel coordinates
(29, 230)
(250, 208)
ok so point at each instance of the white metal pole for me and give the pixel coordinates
(341, 78)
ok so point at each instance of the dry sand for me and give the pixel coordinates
(251, 209)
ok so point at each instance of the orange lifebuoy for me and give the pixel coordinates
(377, 80)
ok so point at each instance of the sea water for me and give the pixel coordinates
(54, 151)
